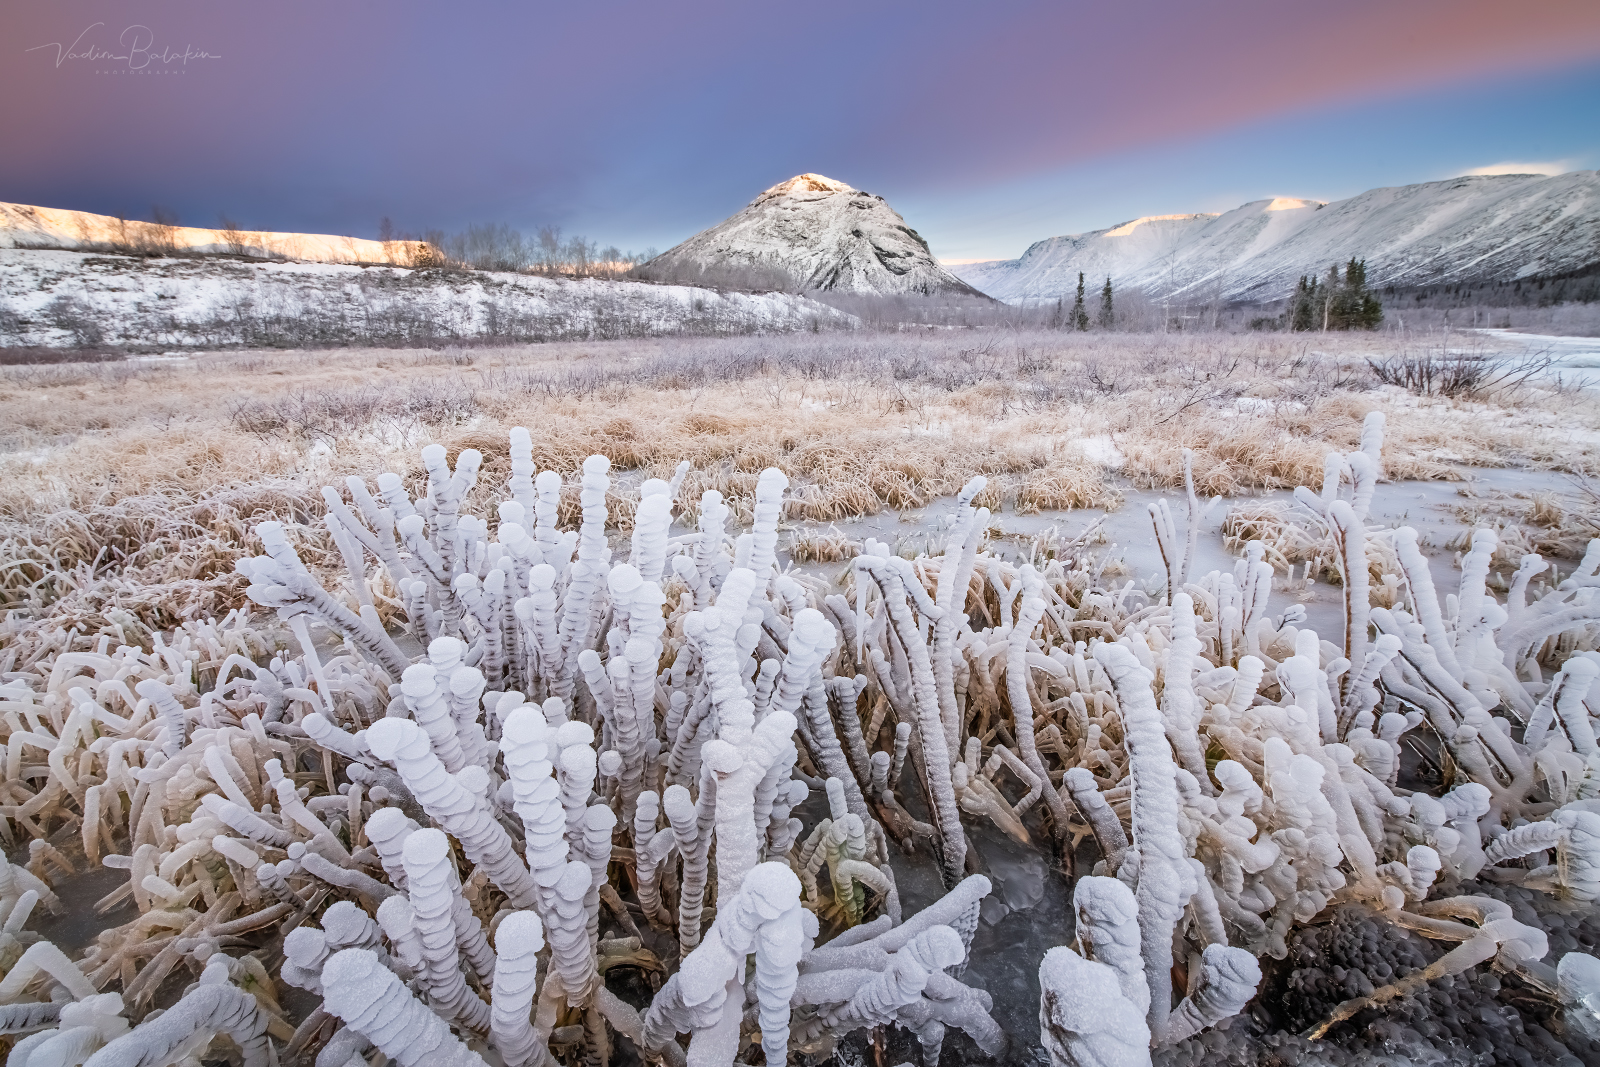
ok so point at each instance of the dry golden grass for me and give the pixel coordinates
(1062, 488)
(1558, 526)
(168, 465)
(822, 546)
(1286, 540)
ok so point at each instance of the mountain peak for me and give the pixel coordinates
(1290, 203)
(806, 183)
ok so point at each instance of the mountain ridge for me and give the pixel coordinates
(30, 226)
(1477, 227)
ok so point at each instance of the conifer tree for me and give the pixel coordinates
(1108, 315)
(1080, 316)
(1330, 296)
(1361, 309)
(1302, 307)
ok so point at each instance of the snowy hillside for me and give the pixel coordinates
(1464, 229)
(27, 226)
(811, 232)
(61, 298)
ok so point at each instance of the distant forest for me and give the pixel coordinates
(1559, 302)
(1580, 286)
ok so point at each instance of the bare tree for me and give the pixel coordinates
(121, 243)
(232, 236)
(387, 236)
(163, 230)
(501, 247)
(84, 231)
(549, 249)
(580, 253)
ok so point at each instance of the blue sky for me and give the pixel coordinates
(987, 125)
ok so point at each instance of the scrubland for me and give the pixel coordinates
(136, 483)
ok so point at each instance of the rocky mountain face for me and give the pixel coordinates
(811, 233)
(1466, 229)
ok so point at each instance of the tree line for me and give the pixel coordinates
(1332, 303)
(501, 247)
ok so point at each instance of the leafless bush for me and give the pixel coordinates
(331, 413)
(233, 236)
(1457, 375)
(822, 546)
(163, 230)
(39, 355)
(77, 318)
(12, 324)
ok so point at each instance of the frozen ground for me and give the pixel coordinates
(1437, 510)
(1030, 910)
(1577, 359)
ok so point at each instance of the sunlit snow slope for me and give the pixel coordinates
(27, 226)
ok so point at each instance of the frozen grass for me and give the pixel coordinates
(170, 463)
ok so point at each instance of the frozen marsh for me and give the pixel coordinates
(844, 697)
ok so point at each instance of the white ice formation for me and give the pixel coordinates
(591, 756)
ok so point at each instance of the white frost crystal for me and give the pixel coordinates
(212, 1007)
(371, 1000)
(428, 872)
(459, 809)
(520, 937)
(1084, 1020)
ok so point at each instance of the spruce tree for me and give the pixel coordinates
(1080, 316)
(1107, 314)
(1302, 307)
(1363, 311)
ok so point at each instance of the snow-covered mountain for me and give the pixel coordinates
(62, 298)
(811, 233)
(1463, 230)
